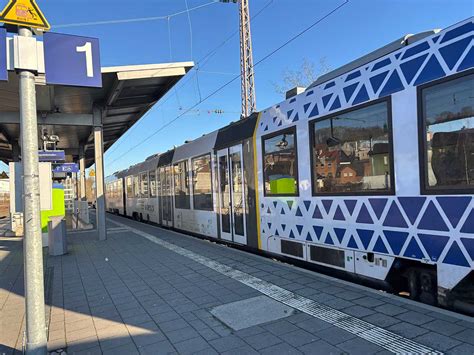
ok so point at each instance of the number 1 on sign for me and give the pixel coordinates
(87, 49)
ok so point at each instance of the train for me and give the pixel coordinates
(367, 174)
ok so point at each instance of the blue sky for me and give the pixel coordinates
(359, 27)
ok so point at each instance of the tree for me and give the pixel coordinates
(307, 73)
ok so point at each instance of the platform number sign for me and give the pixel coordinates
(72, 60)
(3, 55)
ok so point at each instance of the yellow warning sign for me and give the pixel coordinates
(24, 13)
(92, 173)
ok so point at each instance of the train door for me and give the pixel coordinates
(166, 200)
(231, 194)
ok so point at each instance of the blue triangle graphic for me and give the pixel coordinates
(282, 212)
(307, 204)
(378, 205)
(468, 61)
(339, 234)
(275, 203)
(329, 85)
(268, 210)
(292, 236)
(269, 226)
(435, 39)
(289, 113)
(432, 220)
(458, 31)
(380, 247)
(277, 233)
(318, 230)
(394, 217)
(454, 207)
(416, 49)
(327, 205)
(365, 236)
(283, 227)
(326, 99)
(314, 111)
(434, 244)
(298, 212)
(266, 128)
(361, 96)
(299, 228)
(398, 55)
(453, 52)
(306, 107)
(377, 80)
(413, 250)
(364, 216)
(412, 206)
(381, 64)
(350, 204)
(297, 118)
(336, 104)
(274, 119)
(339, 216)
(353, 75)
(349, 90)
(410, 68)
(468, 226)
(328, 240)
(317, 213)
(455, 256)
(469, 245)
(308, 237)
(290, 204)
(393, 84)
(352, 243)
(431, 71)
(396, 240)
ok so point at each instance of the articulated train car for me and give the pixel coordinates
(369, 171)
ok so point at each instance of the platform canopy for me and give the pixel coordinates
(71, 113)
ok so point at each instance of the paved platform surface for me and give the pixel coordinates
(151, 291)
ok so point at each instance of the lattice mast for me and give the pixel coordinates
(249, 104)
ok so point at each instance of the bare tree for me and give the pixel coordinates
(304, 76)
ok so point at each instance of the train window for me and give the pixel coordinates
(144, 185)
(181, 185)
(202, 183)
(447, 119)
(152, 183)
(351, 151)
(280, 163)
(136, 186)
(129, 187)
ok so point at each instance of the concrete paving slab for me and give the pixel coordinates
(253, 311)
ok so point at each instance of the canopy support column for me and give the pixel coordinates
(82, 168)
(99, 174)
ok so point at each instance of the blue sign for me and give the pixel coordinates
(3, 54)
(66, 168)
(72, 60)
(51, 155)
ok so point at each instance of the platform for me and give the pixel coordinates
(153, 291)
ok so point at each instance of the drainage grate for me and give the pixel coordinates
(376, 335)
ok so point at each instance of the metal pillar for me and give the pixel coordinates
(99, 175)
(82, 167)
(16, 151)
(32, 243)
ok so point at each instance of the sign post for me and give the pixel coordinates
(36, 342)
(26, 13)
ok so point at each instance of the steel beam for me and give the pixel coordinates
(58, 119)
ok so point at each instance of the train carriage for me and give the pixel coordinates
(114, 193)
(370, 170)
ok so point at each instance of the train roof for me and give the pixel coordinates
(381, 52)
(197, 147)
(236, 132)
(166, 158)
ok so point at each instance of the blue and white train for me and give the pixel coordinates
(367, 173)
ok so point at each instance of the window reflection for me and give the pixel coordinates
(449, 128)
(351, 151)
(280, 165)
(181, 185)
(202, 183)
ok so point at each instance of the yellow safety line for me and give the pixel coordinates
(255, 165)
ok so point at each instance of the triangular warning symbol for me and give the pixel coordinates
(24, 13)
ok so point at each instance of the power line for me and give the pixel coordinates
(235, 78)
(201, 62)
(132, 20)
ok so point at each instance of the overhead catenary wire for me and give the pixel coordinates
(299, 34)
(199, 64)
(132, 20)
